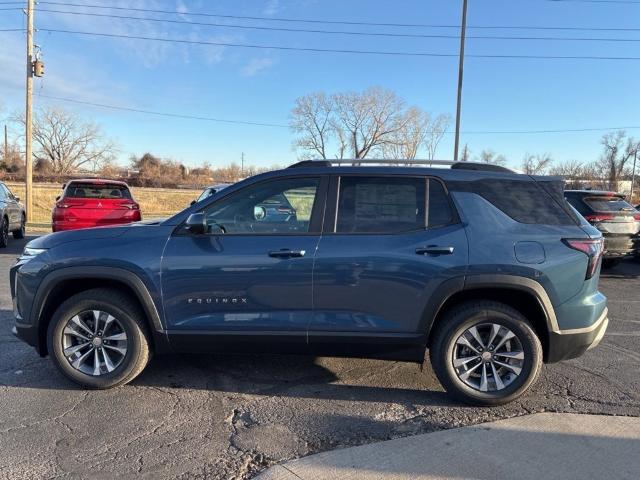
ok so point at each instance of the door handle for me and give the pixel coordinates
(434, 250)
(287, 253)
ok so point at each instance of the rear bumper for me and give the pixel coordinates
(60, 226)
(617, 246)
(567, 344)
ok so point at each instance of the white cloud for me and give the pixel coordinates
(256, 65)
(271, 7)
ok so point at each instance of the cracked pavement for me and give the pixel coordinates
(207, 416)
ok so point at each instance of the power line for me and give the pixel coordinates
(628, 2)
(165, 114)
(334, 22)
(279, 125)
(336, 32)
(331, 50)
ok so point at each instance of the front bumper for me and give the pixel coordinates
(567, 344)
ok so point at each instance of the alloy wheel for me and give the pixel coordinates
(488, 357)
(94, 342)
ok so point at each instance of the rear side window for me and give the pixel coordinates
(440, 212)
(524, 201)
(381, 205)
(608, 204)
(92, 190)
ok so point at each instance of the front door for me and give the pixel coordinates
(250, 274)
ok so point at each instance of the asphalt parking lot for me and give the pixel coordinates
(230, 417)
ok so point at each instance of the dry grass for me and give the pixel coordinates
(154, 202)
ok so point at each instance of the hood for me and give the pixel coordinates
(58, 238)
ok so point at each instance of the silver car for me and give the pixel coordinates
(12, 216)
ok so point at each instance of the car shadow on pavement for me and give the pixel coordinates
(16, 246)
(625, 269)
(298, 377)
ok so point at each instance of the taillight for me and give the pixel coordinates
(637, 217)
(599, 217)
(593, 248)
(131, 206)
(62, 205)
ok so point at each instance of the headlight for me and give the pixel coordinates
(32, 252)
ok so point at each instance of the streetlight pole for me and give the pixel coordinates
(463, 33)
(28, 117)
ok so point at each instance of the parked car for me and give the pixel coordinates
(275, 209)
(12, 216)
(208, 191)
(610, 213)
(491, 271)
(94, 203)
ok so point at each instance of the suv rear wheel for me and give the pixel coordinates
(486, 353)
(98, 339)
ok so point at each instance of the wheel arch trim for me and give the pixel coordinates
(122, 275)
(455, 285)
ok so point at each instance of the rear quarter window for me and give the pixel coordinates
(524, 201)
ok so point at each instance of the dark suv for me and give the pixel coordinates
(491, 271)
(610, 213)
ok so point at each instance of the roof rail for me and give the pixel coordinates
(409, 162)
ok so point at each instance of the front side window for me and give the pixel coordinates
(380, 205)
(274, 207)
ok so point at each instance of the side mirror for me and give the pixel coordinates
(17, 199)
(196, 223)
(57, 198)
(193, 202)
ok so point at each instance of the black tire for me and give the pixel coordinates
(4, 232)
(19, 234)
(464, 317)
(130, 317)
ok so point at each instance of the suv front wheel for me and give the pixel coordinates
(485, 353)
(98, 339)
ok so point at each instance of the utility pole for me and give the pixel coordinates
(28, 117)
(633, 172)
(242, 164)
(6, 145)
(463, 33)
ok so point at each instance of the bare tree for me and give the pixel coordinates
(570, 169)
(617, 151)
(311, 120)
(67, 143)
(434, 133)
(405, 142)
(536, 164)
(466, 153)
(368, 120)
(489, 156)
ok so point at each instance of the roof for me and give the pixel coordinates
(97, 181)
(606, 193)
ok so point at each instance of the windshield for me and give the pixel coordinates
(92, 190)
(609, 204)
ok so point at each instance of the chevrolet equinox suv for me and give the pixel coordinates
(493, 272)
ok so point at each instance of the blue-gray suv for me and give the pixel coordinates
(492, 272)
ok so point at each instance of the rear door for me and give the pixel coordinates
(11, 207)
(388, 243)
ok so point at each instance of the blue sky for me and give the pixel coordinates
(260, 85)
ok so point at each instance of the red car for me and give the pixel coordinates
(94, 203)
